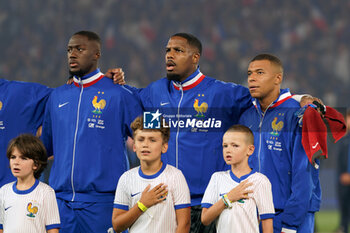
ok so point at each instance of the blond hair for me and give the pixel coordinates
(243, 129)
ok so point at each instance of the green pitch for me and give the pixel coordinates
(327, 221)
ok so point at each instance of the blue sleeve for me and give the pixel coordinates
(242, 97)
(39, 97)
(243, 119)
(134, 90)
(298, 203)
(2, 210)
(139, 93)
(232, 100)
(46, 135)
(133, 109)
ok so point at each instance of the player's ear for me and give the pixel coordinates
(195, 57)
(134, 147)
(279, 78)
(251, 149)
(98, 55)
(164, 147)
(36, 166)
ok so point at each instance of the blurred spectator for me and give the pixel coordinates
(344, 179)
(310, 36)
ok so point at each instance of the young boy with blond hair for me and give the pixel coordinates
(153, 197)
(28, 205)
(236, 197)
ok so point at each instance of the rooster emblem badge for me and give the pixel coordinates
(32, 210)
(98, 105)
(0, 105)
(200, 109)
(276, 127)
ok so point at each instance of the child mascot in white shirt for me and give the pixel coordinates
(240, 197)
(153, 197)
(28, 205)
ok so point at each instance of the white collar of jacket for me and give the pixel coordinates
(284, 95)
(192, 81)
(89, 79)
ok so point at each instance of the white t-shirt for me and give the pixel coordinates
(29, 211)
(160, 217)
(243, 216)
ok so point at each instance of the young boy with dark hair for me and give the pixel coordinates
(236, 197)
(153, 197)
(28, 205)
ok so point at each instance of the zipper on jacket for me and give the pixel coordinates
(75, 138)
(178, 128)
(260, 124)
(262, 116)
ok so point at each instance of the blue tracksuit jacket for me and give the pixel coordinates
(85, 128)
(280, 156)
(22, 107)
(199, 110)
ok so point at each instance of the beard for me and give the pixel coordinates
(79, 73)
(173, 77)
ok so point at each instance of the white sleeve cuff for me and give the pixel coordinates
(286, 230)
(298, 97)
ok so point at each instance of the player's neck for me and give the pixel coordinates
(268, 100)
(151, 168)
(25, 183)
(185, 76)
(240, 170)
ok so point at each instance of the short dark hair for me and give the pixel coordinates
(138, 124)
(191, 39)
(90, 35)
(243, 129)
(30, 147)
(269, 57)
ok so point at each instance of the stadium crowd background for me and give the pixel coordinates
(311, 37)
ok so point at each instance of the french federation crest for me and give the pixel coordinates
(98, 104)
(0, 105)
(200, 108)
(276, 127)
(32, 210)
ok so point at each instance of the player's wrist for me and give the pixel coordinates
(227, 202)
(231, 199)
(146, 202)
(141, 206)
